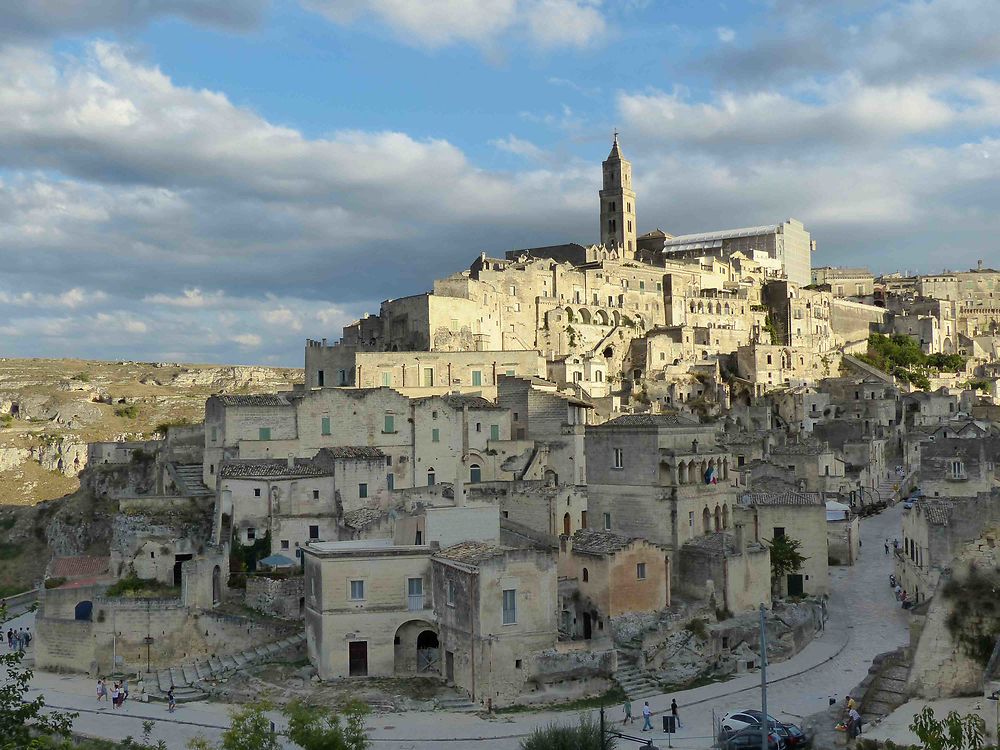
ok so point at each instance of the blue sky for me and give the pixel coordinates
(189, 180)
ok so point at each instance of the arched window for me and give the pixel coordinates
(475, 474)
(598, 376)
(430, 476)
(586, 575)
(566, 523)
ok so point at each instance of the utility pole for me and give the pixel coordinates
(604, 742)
(765, 724)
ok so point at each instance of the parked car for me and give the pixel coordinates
(749, 739)
(733, 721)
(793, 736)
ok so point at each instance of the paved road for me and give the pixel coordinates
(865, 620)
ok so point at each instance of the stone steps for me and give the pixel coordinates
(457, 704)
(636, 684)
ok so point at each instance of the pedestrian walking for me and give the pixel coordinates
(10, 638)
(102, 692)
(647, 714)
(628, 712)
(116, 696)
(27, 637)
(673, 711)
(171, 703)
(886, 547)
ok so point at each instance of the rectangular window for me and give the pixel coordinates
(320, 378)
(642, 286)
(389, 425)
(284, 544)
(415, 594)
(435, 435)
(607, 522)
(315, 494)
(264, 433)
(450, 595)
(479, 426)
(215, 434)
(690, 519)
(477, 377)
(387, 379)
(342, 377)
(428, 377)
(256, 491)
(619, 458)
(357, 590)
(390, 481)
(779, 532)
(511, 373)
(325, 425)
(640, 571)
(313, 532)
(251, 534)
(494, 432)
(509, 606)
(363, 490)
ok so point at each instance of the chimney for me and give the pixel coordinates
(741, 542)
(979, 264)
(291, 460)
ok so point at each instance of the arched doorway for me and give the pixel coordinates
(588, 629)
(475, 474)
(84, 610)
(718, 518)
(706, 521)
(216, 585)
(428, 652)
(416, 648)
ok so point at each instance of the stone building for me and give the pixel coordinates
(496, 610)
(845, 282)
(614, 574)
(725, 570)
(800, 516)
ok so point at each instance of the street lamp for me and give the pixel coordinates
(995, 697)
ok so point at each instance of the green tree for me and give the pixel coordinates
(319, 728)
(785, 558)
(585, 736)
(23, 721)
(249, 729)
(953, 732)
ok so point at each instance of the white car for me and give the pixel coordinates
(734, 721)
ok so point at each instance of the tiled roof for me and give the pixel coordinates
(937, 513)
(652, 420)
(353, 451)
(594, 542)
(810, 448)
(471, 553)
(269, 467)
(253, 399)
(80, 566)
(362, 517)
(783, 498)
(715, 542)
(458, 400)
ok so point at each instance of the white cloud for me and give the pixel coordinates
(248, 340)
(725, 34)
(482, 23)
(519, 147)
(40, 18)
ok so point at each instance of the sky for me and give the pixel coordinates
(206, 181)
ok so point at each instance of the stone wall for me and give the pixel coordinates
(280, 597)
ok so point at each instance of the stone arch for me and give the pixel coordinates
(616, 317)
(585, 316)
(586, 575)
(692, 306)
(431, 476)
(718, 518)
(551, 478)
(682, 473)
(601, 318)
(416, 648)
(566, 525)
(475, 473)
(608, 352)
(706, 521)
(725, 308)
(725, 516)
(701, 307)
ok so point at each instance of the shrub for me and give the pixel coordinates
(6, 420)
(83, 377)
(54, 583)
(697, 627)
(127, 412)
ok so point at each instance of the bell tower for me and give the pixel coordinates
(618, 204)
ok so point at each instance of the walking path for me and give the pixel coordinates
(864, 620)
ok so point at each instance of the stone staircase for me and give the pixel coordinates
(636, 683)
(886, 688)
(186, 679)
(188, 479)
(458, 703)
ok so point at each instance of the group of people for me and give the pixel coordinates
(647, 715)
(18, 640)
(119, 692)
